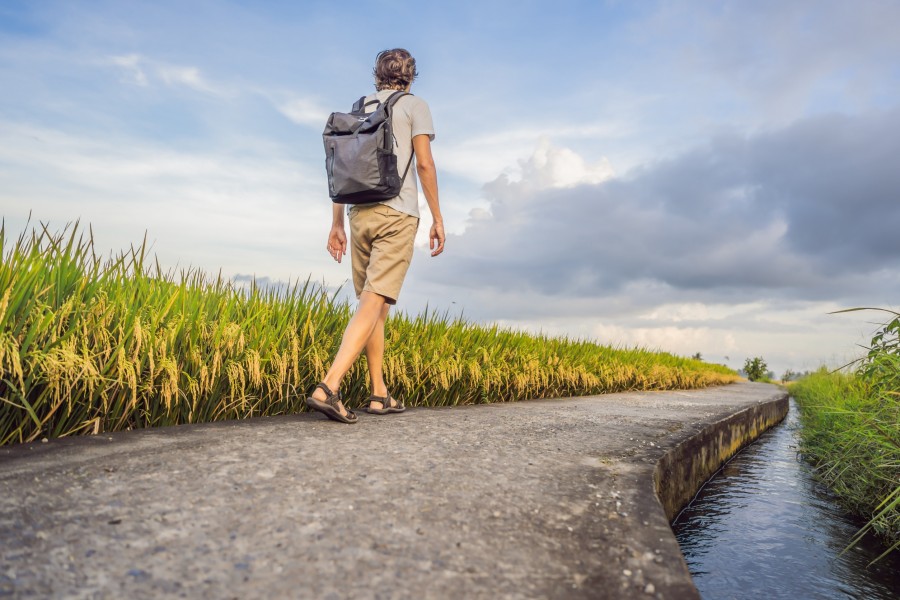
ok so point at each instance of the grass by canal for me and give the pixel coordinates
(89, 345)
(851, 432)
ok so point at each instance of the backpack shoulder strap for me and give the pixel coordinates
(392, 99)
(360, 105)
(389, 105)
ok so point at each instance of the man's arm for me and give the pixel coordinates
(428, 177)
(337, 238)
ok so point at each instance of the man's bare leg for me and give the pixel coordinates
(375, 358)
(356, 336)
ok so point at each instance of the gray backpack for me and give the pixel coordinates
(359, 154)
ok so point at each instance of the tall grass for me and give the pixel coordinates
(851, 433)
(89, 345)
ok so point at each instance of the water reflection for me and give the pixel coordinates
(763, 528)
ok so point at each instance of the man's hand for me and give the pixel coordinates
(428, 179)
(436, 237)
(337, 242)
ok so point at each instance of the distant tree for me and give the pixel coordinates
(755, 368)
(697, 356)
(790, 375)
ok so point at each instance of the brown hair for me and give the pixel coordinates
(394, 69)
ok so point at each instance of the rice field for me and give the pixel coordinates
(91, 345)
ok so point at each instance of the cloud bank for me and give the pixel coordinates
(806, 212)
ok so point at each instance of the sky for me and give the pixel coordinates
(688, 176)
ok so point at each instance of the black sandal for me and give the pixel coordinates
(330, 406)
(389, 404)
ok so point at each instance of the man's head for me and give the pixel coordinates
(394, 70)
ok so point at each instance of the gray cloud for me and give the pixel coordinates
(779, 55)
(808, 212)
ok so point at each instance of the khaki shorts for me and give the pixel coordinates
(381, 247)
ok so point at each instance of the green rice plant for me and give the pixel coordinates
(851, 433)
(880, 366)
(90, 345)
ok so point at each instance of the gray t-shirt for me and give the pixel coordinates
(411, 117)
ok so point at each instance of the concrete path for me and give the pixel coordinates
(537, 499)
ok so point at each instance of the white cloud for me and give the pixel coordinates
(136, 68)
(304, 111)
(811, 338)
(698, 311)
(684, 341)
(481, 158)
(557, 167)
(781, 60)
(547, 166)
(131, 65)
(251, 210)
(186, 76)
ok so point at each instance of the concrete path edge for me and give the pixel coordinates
(683, 470)
(176, 511)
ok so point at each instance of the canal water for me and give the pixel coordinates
(764, 528)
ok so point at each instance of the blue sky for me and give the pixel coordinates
(708, 177)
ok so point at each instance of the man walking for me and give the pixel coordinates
(381, 242)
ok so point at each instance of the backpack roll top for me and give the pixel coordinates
(359, 154)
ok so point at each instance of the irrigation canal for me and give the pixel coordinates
(764, 528)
